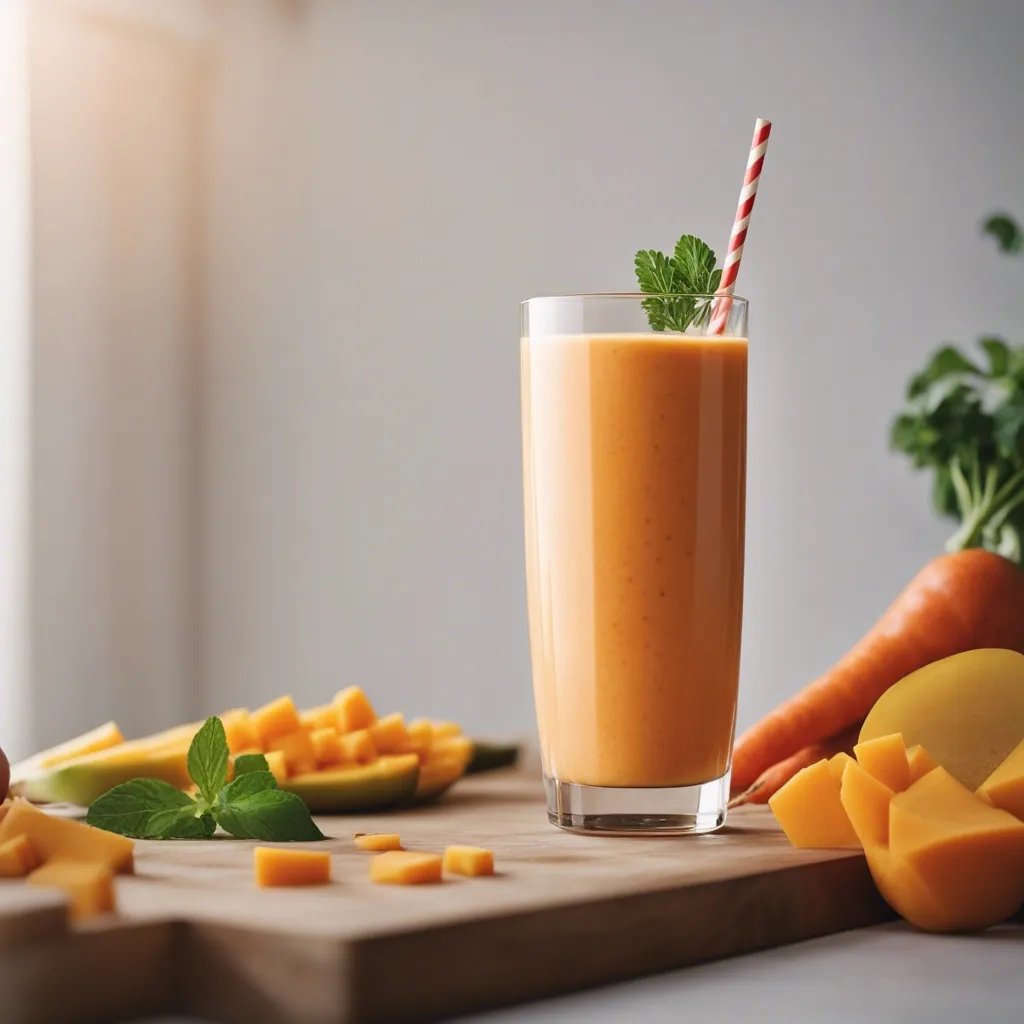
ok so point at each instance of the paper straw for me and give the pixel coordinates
(762, 129)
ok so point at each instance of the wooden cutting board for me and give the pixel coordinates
(565, 912)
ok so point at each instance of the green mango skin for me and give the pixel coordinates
(83, 784)
(488, 757)
(350, 790)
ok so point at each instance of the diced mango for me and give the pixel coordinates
(240, 730)
(919, 762)
(837, 762)
(866, 802)
(278, 718)
(5, 806)
(443, 730)
(419, 734)
(809, 811)
(62, 838)
(401, 868)
(468, 860)
(353, 710)
(448, 748)
(297, 747)
(276, 764)
(378, 841)
(324, 716)
(885, 758)
(389, 734)
(275, 866)
(1004, 788)
(326, 747)
(89, 885)
(357, 747)
(101, 738)
(17, 857)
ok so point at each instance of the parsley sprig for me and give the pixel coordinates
(679, 282)
(249, 807)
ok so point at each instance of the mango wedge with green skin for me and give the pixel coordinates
(385, 783)
(83, 783)
(487, 757)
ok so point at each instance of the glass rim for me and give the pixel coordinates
(635, 295)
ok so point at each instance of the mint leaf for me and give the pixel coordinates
(998, 353)
(245, 785)
(1005, 230)
(250, 763)
(150, 809)
(208, 759)
(269, 814)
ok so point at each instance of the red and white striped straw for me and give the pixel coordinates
(762, 129)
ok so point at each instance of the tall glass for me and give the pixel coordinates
(634, 464)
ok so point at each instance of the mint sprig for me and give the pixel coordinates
(678, 282)
(249, 807)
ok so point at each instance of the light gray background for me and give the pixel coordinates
(389, 179)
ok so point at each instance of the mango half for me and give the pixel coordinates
(388, 781)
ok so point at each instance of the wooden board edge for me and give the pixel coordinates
(476, 965)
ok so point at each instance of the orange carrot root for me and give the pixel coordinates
(958, 602)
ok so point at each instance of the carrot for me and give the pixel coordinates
(772, 779)
(958, 602)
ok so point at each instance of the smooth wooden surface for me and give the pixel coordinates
(565, 912)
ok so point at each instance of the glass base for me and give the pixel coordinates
(614, 811)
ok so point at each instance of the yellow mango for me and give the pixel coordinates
(89, 885)
(389, 734)
(378, 841)
(277, 765)
(809, 811)
(297, 748)
(401, 868)
(837, 763)
(353, 710)
(919, 762)
(274, 866)
(278, 718)
(357, 747)
(866, 802)
(17, 857)
(326, 747)
(240, 730)
(967, 711)
(468, 860)
(324, 716)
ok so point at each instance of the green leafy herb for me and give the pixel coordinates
(681, 284)
(251, 763)
(249, 807)
(964, 421)
(1006, 231)
(208, 759)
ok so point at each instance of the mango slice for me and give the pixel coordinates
(808, 809)
(278, 718)
(17, 857)
(324, 716)
(866, 802)
(326, 747)
(378, 841)
(240, 730)
(89, 885)
(82, 781)
(401, 868)
(274, 866)
(388, 781)
(1004, 788)
(468, 860)
(444, 730)
(357, 747)
(101, 738)
(62, 838)
(277, 766)
(967, 711)
(837, 763)
(353, 710)
(488, 757)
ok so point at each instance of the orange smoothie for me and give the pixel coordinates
(634, 479)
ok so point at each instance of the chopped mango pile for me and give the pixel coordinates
(68, 855)
(945, 858)
(338, 757)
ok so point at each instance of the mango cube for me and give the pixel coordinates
(389, 734)
(378, 841)
(275, 867)
(866, 802)
(885, 758)
(398, 867)
(809, 811)
(240, 730)
(324, 716)
(837, 763)
(278, 718)
(276, 764)
(326, 747)
(353, 710)
(17, 857)
(468, 860)
(357, 747)
(297, 748)
(89, 885)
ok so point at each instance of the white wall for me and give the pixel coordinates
(388, 179)
(15, 728)
(116, 102)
